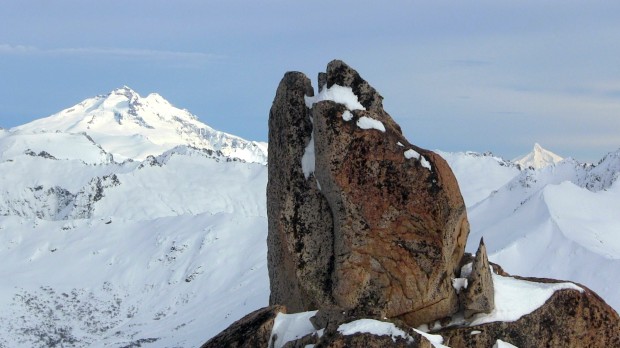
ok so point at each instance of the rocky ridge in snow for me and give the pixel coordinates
(559, 221)
(527, 311)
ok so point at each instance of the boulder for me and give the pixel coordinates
(251, 331)
(365, 225)
(377, 225)
(367, 340)
(569, 318)
(331, 332)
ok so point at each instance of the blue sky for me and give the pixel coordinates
(468, 75)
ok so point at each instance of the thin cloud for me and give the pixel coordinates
(16, 49)
(130, 53)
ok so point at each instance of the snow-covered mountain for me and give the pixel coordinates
(126, 222)
(538, 158)
(132, 127)
(560, 221)
(166, 249)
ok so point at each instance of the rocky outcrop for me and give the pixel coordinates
(364, 224)
(257, 330)
(251, 331)
(367, 340)
(568, 319)
(300, 247)
(478, 296)
(377, 225)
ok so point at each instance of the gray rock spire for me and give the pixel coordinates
(478, 297)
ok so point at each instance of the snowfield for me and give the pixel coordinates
(168, 249)
(123, 226)
(96, 283)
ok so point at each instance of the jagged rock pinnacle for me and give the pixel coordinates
(478, 297)
(378, 226)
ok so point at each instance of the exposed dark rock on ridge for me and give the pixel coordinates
(478, 297)
(251, 331)
(570, 319)
(372, 230)
(300, 251)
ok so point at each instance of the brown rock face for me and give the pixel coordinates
(384, 229)
(251, 331)
(300, 250)
(363, 224)
(568, 319)
(478, 297)
(367, 340)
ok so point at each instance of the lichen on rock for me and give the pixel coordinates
(478, 296)
(392, 231)
(366, 227)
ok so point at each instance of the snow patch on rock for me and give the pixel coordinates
(502, 344)
(308, 158)
(289, 327)
(370, 123)
(436, 340)
(338, 94)
(411, 153)
(515, 298)
(373, 327)
(347, 115)
(426, 164)
(459, 284)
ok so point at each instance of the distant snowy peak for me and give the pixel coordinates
(538, 158)
(133, 127)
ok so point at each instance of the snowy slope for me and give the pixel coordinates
(478, 174)
(130, 126)
(171, 281)
(560, 221)
(163, 253)
(538, 158)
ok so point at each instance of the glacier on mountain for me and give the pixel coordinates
(132, 127)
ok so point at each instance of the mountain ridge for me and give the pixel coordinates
(538, 158)
(133, 127)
